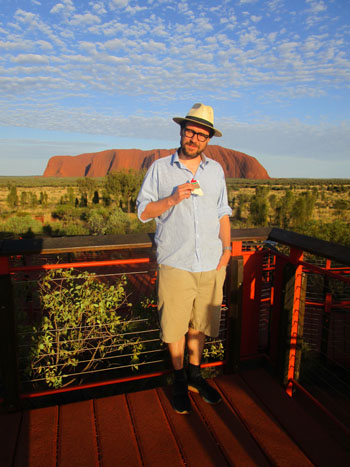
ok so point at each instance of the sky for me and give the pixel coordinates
(82, 76)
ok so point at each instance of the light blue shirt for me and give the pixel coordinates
(187, 234)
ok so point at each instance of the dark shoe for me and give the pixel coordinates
(207, 392)
(181, 401)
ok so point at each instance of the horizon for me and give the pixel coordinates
(79, 76)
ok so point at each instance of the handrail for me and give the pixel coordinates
(328, 250)
(51, 245)
(315, 246)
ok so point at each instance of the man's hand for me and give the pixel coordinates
(224, 260)
(182, 192)
(156, 208)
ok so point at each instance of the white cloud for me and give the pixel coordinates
(244, 2)
(118, 3)
(85, 20)
(57, 8)
(30, 59)
(247, 53)
(98, 7)
(316, 6)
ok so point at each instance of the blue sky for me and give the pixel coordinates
(82, 76)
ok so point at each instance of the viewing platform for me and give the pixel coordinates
(281, 362)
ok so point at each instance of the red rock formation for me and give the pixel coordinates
(235, 164)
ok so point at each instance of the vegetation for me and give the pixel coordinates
(319, 208)
(78, 328)
(81, 206)
(106, 205)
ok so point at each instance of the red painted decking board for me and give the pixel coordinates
(77, 439)
(310, 434)
(276, 444)
(256, 424)
(237, 444)
(37, 441)
(156, 441)
(114, 426)
(195, 441)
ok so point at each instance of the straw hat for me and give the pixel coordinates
(200, 113)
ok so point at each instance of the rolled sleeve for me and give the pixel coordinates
(223, 206)
(147, 193)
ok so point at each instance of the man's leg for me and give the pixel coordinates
(177, 353)
(195, 345)
(181, 401)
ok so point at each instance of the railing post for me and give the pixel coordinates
(234, 317)
(8, 348)
(291, 320)
(326, 315)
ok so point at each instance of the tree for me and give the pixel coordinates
(284, 209)
(86, 187)
(258, 207)
(123, 187)
(302, 209)
(33, 200)
(43, 198)
(96, 198)
(24, 198)
(12, 197)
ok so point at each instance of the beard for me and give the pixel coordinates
(191, 150)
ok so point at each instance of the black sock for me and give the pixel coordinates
(180, 375)
(194, 371)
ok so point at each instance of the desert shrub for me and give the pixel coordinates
(79, 327)
(96, 223)
(21, 225)
(335, 232)
(118, 222)
(341, 204)
(144, 227)
(12, 197)
(258, 207)
(75, 229)
(64, 212)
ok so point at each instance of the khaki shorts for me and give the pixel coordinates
(189, 300)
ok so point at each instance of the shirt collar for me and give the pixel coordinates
(175, 158)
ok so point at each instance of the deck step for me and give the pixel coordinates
(321, 444)
(277, 446)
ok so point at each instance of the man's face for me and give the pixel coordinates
(191, 146)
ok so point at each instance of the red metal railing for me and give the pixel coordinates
(9, 268)
(267, 292)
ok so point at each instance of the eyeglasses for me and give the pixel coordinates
(200, 136)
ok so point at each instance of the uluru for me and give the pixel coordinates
(98, 164)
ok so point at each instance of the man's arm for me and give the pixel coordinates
(225, 236)
(156, 208)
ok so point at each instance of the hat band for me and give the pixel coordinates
(200, 120)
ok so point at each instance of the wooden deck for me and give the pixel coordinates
(256, 424)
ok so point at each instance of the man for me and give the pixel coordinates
(186, 194)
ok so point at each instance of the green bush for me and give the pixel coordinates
(96, 223)
(79, 327)
(75, 229)
(118, 222)
(335, 232)
(19, 225)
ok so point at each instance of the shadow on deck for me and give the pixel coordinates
(256, 424)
